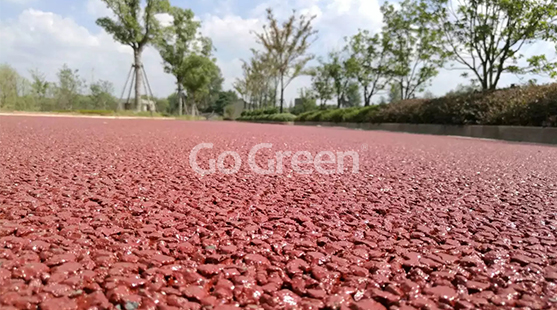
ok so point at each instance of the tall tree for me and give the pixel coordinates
(224, 99)
(199, 70)
(135, 27)
(322, 83)
(176, 43)
(352, 97)
(486, 36)
(101, 95)
(394, 93)
(39, 84)
(340, 71)
(9, 82)
(240, 86)
(372, 64)
(70, 86)
(214, 90)
(258, 80)
(287, 44)
(416, 45)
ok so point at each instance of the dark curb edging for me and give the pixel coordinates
(542, 135)
(266, 122)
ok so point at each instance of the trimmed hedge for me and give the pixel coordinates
(520, 106)
(284, 117)
(267, 111)
(350, 115)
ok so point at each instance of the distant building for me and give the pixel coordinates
(146, 105)
(298, 101)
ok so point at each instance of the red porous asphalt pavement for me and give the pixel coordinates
(108, 214)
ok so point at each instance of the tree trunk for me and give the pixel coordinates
(180, 104)
(366, 98)
(138, 76)
(281, 92)
(275, 93)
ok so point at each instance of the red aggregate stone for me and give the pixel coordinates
(108, 214)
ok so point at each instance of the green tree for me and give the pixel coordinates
(214, 90)
(240, 86)
(264, 78)
(9, 82)
(486, 36)
(416, 45)
(352, 97)
(225, 98)
(162, 105)
(136, 28)
(394, 93)
(39, 85)
(255, 81)
(340, 71)
(199, 71)
(372, 64)
(173, 106)
(287, 44)
(101, 95)
(69, 88)
(322, 83)
(177, 42)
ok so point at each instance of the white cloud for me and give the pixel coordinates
(46, 40)
(97, 8)
(334, 20)
(231, 34)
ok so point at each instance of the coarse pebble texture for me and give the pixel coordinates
(108, 214)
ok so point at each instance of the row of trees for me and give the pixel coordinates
(72, 92)
(69, 92)
(283, 57)
(482, 38)
(186, 54)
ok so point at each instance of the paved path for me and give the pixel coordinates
(104, 212)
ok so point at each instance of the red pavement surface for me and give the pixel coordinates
(103, 213)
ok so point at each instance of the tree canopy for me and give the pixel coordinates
(287, 45)
(485, 37)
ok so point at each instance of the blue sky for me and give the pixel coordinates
(45, 34)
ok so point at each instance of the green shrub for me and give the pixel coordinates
(96, 112)
(266, 111)
(307, 116)
(521, 106)
(355, 115)
(271, 110)
(364, 114)
(283, 117)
